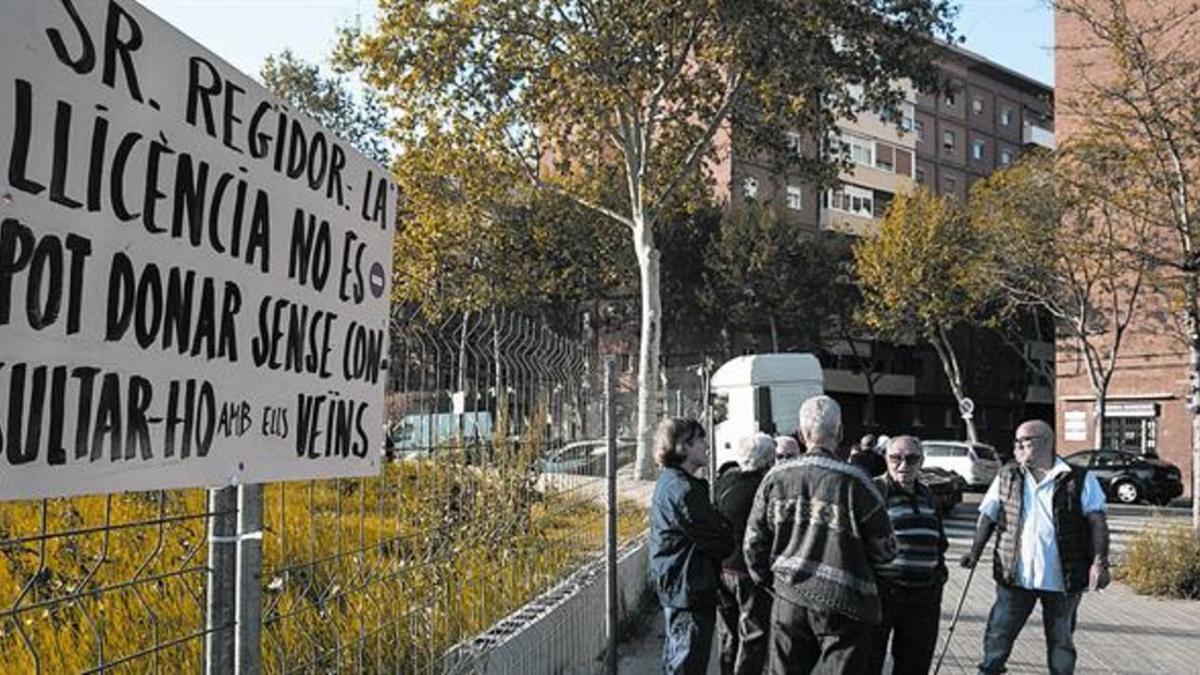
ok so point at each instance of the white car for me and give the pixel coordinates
(977, 463)
(587, 457)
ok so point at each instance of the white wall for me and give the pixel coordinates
(563, 630)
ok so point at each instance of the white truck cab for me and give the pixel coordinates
(764, 391)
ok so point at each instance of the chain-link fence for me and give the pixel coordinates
(493, 496)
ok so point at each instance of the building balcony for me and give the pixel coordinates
(1032, 134)
(848, 223)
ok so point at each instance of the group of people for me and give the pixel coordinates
(811, 559)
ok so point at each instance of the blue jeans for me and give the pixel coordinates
(1012, 607)
(689, 639)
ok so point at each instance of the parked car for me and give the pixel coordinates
(947, 487)
(587, 457)
(1129, 478)
(977, 463)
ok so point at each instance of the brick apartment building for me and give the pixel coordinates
(946, 143)
(1146, 403)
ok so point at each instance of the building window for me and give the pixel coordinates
(904, 162)
(976, 105)
(902, 117)
(795, 198)
(860, 150)
(1006, 116)
(1006, 157)
(750, 188)
(950, 100)
(852, 199)
(920, 175)
(1138, 435)
(949, 185)
(855, 92)
(948, 141)
(885, 157)
(919, 128)
(977, 147)
(795, 144)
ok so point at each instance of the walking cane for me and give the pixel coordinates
(954, 621)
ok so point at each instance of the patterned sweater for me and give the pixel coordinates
(817, 529)
(920, 539)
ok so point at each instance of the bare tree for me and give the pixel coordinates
(1140, 71)
(1059, 244)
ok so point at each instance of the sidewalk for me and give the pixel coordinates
(1118, 632)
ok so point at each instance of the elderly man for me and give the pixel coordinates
(817, 529)
(786, 447)
(743, 607)
(1052, 543)
(867, 457)
(910, 586)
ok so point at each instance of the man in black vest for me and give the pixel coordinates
(1052, 543)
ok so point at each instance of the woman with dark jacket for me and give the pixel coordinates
(688, 540)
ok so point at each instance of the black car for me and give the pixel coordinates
(946, 486)
(1129, 478)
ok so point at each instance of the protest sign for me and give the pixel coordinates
(194, 278)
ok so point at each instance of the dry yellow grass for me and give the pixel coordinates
(379, 573)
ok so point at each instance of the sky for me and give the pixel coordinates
(1018, 34)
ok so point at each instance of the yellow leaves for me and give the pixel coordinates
(924, 269)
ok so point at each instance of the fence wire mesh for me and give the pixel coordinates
(494, 495)
(90, 584)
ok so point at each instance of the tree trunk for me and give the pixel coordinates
(1192, 319)
(648, 351)
(945, 351)
(1098, 419)
(774, 332)
(869, 409)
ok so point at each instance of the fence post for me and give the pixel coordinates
(710, 428)
(610, 522)
(219, 614)
(249, 580)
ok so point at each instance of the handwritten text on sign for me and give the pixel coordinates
(194, 278)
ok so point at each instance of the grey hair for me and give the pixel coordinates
(898, 441)
(786, 447)
(755, 452)
(821, 421)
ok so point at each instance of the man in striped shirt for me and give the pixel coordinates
(910, 586)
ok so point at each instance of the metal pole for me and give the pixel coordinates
(248, 645)
(954, 621)
(222, 578)
(708, 422)
(610, 522)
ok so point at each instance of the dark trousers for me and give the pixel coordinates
(806, 640)
(689, 639)
(744, 619)
(910, 618)
(1009, 612)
